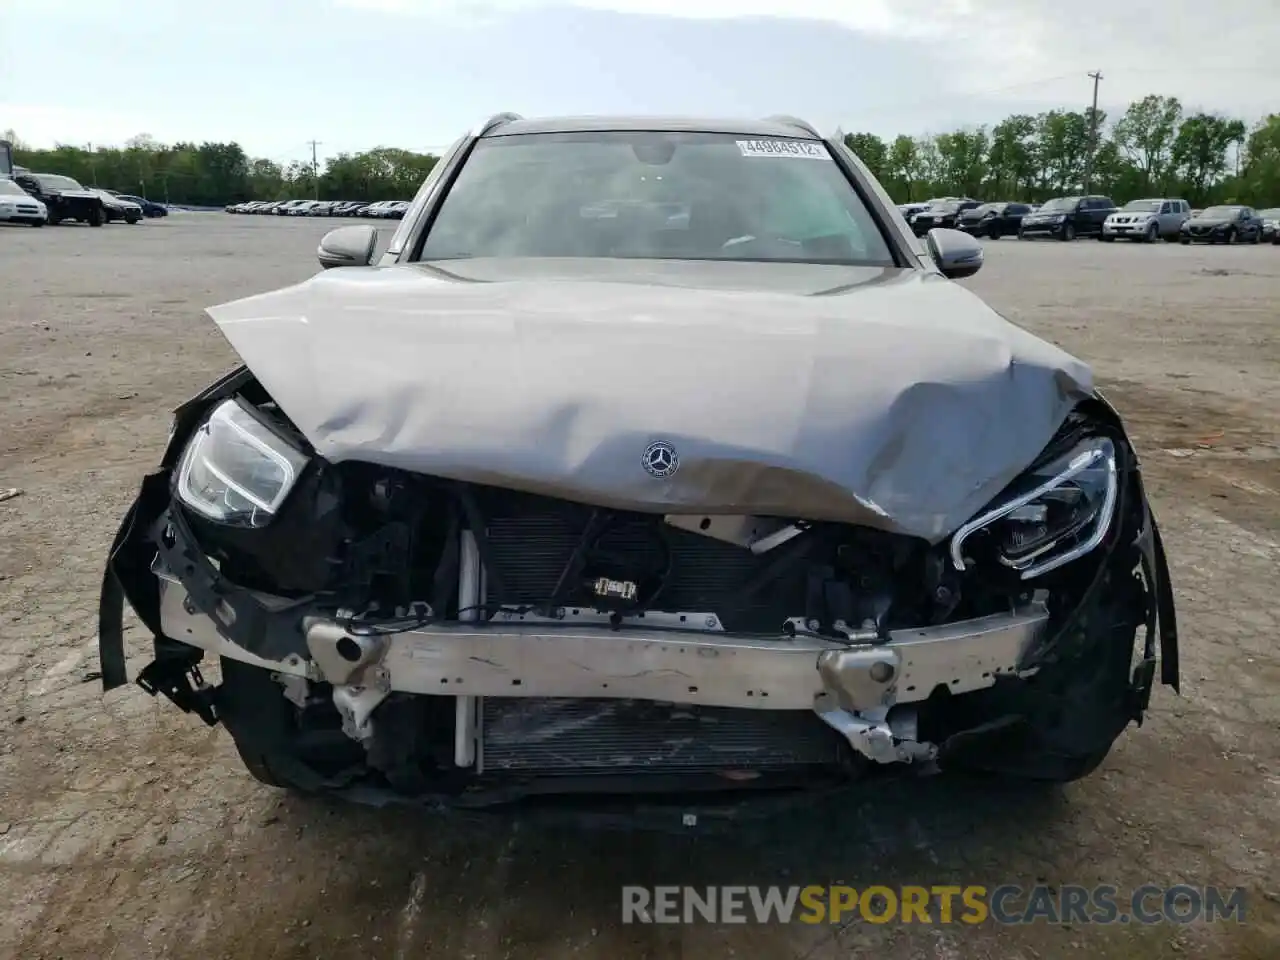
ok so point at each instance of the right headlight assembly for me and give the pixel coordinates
(236, 470)
(1056, 512)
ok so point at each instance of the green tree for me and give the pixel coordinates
(1199, 152)
(871, 150)
(1147, 133)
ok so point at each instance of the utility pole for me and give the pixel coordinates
(1093, 133)
(315, 168)
(93, 166)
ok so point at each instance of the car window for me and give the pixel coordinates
(664, 195)
(53, 182)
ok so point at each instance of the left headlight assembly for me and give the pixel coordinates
(236, 470)
(1056, 512)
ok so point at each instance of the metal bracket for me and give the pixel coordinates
(181, 681)
(356, 705)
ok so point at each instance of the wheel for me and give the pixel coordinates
(265, 729)
(1021, 234)
(1231, 235)
(1257, 237)
(1152, 234)
(1068, 232)
(96, 217)
(1106, 239)
(37, 223)
(993, 231)
(1184, 241)
(131, 219)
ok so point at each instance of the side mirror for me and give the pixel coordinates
(957, 254)
(348, 247)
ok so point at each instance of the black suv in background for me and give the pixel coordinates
(994, 220)
(65, 198)
(1067, 218)
(940, 213)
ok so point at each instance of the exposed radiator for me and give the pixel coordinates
(580, 737)
(530, 550)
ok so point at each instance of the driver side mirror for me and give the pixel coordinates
(957, 254)
(348, 247)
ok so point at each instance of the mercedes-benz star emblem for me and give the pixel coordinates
(660, 459)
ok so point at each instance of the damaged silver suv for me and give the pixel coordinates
(654, 459)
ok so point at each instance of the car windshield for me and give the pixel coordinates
(1060, 203)
(987, 208)
(1142, 206)
(1221, 213)
(654, 195)
(51, 181)
(10, 189)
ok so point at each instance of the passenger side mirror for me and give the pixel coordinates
(348, 247)
(957, 254)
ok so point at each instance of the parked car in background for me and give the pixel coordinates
(117, 208)
(993, 220)
(1227, 223)
(1068, 217)
(1147, 220)
(940, 213)
(149, 207)
(1270, 224)
(909, 209)
(18, 206)
(64, 198)
(289, 207)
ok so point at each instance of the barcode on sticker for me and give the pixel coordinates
(782, 148)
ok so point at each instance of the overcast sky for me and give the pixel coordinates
(353, 74)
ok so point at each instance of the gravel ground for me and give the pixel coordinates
(128, 830)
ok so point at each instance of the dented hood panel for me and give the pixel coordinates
(890, 398)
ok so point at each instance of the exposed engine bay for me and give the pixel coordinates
(436, 638)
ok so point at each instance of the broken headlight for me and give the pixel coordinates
(236, 470)
(1054, 513)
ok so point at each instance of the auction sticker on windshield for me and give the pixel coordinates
(782, 148)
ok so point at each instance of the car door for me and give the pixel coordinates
(1251, 225)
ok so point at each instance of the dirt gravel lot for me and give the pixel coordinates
(128, 830)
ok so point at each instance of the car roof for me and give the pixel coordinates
(747, 128)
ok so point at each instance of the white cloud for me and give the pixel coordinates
(1220, 55)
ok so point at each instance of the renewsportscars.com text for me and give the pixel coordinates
(1008, 904)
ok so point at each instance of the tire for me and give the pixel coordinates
(37, 223)
(1232, 237)
(1021, 234)
(264, 727)
(1257, 238)
(97, 217)
(1184, 241)
(131, 220)
(1068, 232)
(994, 232)
(1152, 234)
(1105, 239)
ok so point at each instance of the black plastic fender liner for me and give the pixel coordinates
(1165, 615)
(128, 576)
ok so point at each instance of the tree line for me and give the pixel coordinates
(1154, 148)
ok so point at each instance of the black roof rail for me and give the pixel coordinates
(791, 121)
(497, 120)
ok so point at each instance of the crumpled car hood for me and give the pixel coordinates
(883, 397)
